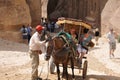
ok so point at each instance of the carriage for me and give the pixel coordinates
(78, 25)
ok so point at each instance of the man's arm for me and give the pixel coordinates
(37, 41)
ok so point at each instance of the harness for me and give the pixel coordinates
(65, 40)
(68, 43)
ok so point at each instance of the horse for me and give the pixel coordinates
(56, 47)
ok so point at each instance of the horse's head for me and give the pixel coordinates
(49, 46)
(53, 44)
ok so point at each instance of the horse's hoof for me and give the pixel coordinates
(52, 73)
(38, 79)
(73, 79)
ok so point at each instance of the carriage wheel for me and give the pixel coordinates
(84, 69)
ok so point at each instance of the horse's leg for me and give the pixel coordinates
(58, 71)
(72, 66)
(65, 72)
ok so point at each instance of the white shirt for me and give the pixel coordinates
(35, 43)
(111, 37)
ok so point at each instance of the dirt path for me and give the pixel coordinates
(15, 63)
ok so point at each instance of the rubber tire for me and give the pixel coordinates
(84, 72)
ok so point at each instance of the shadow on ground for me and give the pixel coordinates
(89, 77)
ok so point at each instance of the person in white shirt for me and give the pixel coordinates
(112, 42)
(36, 47)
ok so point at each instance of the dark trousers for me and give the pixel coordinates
(29, 36)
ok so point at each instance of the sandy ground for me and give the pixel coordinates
(15, 63)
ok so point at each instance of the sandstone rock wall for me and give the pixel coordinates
(13, 14)
(44, 8)
(87, 10)
(35, 11)
(110, 16)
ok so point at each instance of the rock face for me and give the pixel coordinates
(110, 16)
(87, 10)
(13, 14)
(44, 8)
(35, 11)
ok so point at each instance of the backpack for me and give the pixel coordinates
(24, 33)
(24, 30)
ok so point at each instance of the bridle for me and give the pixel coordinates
(51, 46)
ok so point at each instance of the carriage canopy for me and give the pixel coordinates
(74, 22)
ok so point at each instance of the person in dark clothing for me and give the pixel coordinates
(96, 35)
(29, 30)
(84, 40)
(52, 26)
(24, 32)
